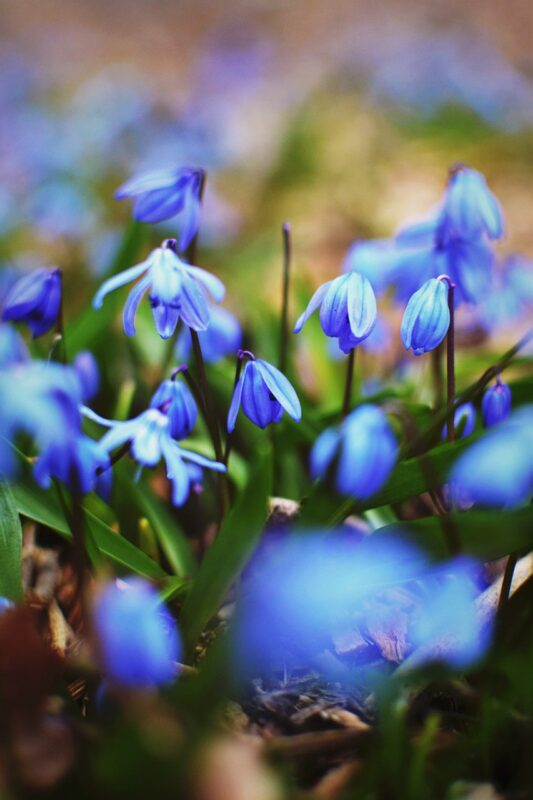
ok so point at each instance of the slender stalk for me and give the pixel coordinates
(120, 453)
(438, 375)
(284, 329)
(450, 364)
(58, 350)
(348, 384)
(507, 581)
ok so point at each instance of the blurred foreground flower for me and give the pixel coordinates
(137, 636)
(264, 394)
(175, 400)
(222, 337)
(362, 452)
(464, 421)
(177, 291)
(470, 209)
(89, 374)
(496, 404)
(77, 461)
(12, 348)
(164, 194)
(36, 300)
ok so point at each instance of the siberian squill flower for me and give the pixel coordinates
(163, 194)
(496, 404)
(362, 452)
(77, 461)
(497, 471)
(177, 291)
(138, 638)
(464, 421)
(347, 309)
(89, 374)
(150, 439)
(264, 394)
(222, 337)
(36, 300)
(175, 400)
(426, 318)
(470, 209)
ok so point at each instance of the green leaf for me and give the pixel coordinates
(10, 546)
(42, 506)
(229, 553)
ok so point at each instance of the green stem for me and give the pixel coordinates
(346, 402)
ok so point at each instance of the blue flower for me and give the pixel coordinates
(163, 194)
(177, 291)
(264, 394)
(426, 318)
(75, 460)
(175, 400)
(464, 421)
(497, 471)
(223, 337)
(89, 374)
(362, 451)
(5, 604)
(36, 300)
(150, 439)
(347, 309)
(138, 638)
(12, 348)
(470, 208)
(376, 259)
(496, 404)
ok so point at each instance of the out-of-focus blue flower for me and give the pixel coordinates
(36, 300)
(376, 259)
(175, 400)
(470, 209)
(89, 374)
(5, 604)
(376, 342)
(496, 404)
(363, 450)
(75, 460)
(177, 291)
(464, 421)
(264, 394)
(347, 309)
(150, 438)
(446, 626)
(138, 638)
(426, 318)
(223, 337)
(12, 348)
(163, 194)
(497, 471)
(38, 399)
(511, 294)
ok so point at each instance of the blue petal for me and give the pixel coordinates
(214, 286)
(201, 461)
(362, 310)
(312, 306)
(190, 217)
(176, 472)
(166, 318)
(132, 304)
(257, 402)
(323, 451)
(147, 182)
(194, 308)
(281, 388)
(236, 401)
(334, 309)
(157, 206)
(122, 278)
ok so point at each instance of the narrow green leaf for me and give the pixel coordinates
(229, 553)
(42, 506)
(10, 546)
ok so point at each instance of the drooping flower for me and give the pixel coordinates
(137, 636)
(496, 404)
(426, 318)
(175, 400)
(362, 452)
(347, 309)
(497, 471)
(222, 337)
(150, 439)
(464, 421)
(470, 209)
(89, 374)
(163, 194)
(177, 291)
(75, 460)
(36, 300)
(264, 394)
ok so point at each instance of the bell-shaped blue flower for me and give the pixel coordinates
(138, 639)
(347, 309)
(470, 208)
(264, 394)
(426, 318)
(150, 439)
(36, 300)
(223, 337)
(177, 291)
(497, 471)
(89, 374)
(77, 461)
(163, 194)
(362, 452)
(496, 404)
(464, 421)
(175, 400)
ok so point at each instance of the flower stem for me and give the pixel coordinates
(58, 351)
(284, 329)
(348, 384)
(507, 581)
(438, 375)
